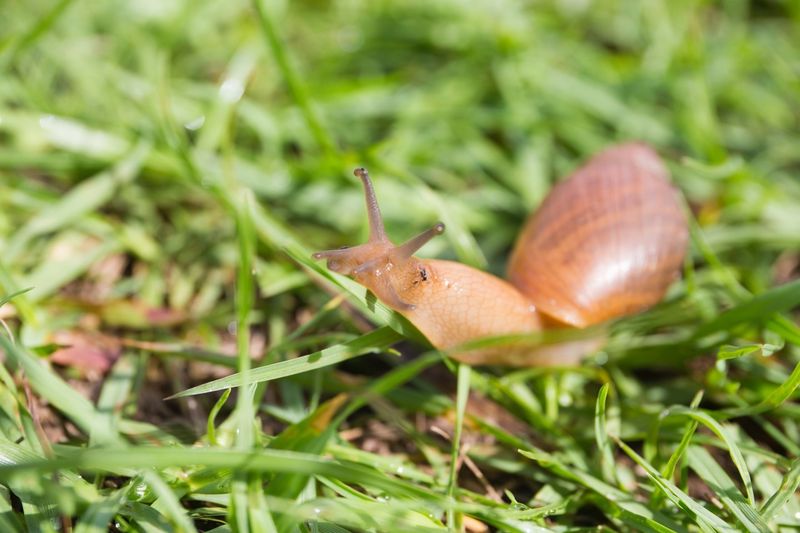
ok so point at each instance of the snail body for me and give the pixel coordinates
(605, 243)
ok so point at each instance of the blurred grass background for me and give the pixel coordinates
(154, 155)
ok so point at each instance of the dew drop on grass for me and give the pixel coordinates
(140, 490)
(196, 123)
(231, 91)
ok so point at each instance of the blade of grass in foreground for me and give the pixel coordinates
(719, 430)
(5, 299)
(787, 489)
(705, 519)
(100, 513)
(758, 308)
(617, 500)
(241, 508)
(264, 461)
(354, 509)
(454, 520)
(63, 397)
(718, 481)
(601, 437)
(377, 340)
(668, 470)
(775, 398)
(167, 502)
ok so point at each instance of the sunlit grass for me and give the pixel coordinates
(167, 168)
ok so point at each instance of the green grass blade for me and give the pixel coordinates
(99, 514)
(244, 304)
(59, 394)
(377, 340)
(168, 503)
(723, 487)
(787, 489)
(261, 461)
(454, 520)
(607, 465)
(668, 470)
(774, 399)
(614, 498)
(43, 24)
(116, 391)
(756, 309)
(719, 430)
(211, 430)
(705, 519)
(5, 299)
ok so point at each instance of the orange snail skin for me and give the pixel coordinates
(606, 242)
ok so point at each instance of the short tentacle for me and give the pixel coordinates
(410, 247)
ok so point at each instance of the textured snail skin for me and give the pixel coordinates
(606, 242)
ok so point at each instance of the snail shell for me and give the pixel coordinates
(606, 242)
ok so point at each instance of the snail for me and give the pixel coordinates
(605, 243)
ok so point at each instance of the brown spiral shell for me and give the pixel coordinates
(606, 242)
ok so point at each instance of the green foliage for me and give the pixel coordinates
(167, 168)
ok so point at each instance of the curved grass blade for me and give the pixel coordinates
(372, 342)
(736, 455)
(774, 399)
(787, 489)
(705, 519)
(59, 394)
(668, 470)
(613, 499)
(5, 299)
(601, 437)
(756, 309)
(717, 480)
(100, 513)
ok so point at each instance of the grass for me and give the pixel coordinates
(166, 170)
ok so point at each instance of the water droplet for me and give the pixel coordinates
(231, 90)
(196, 123)
(140, 490)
